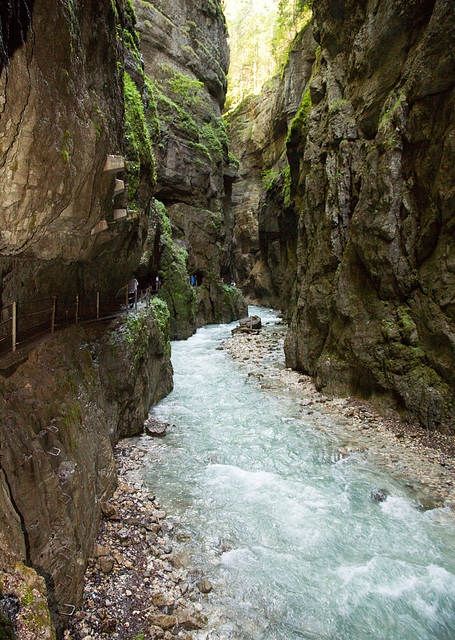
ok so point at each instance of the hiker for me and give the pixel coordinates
(132, 289)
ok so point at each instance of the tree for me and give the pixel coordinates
(260, 34)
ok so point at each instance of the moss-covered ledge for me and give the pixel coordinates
(24, 611)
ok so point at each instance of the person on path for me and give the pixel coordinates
(132, 288)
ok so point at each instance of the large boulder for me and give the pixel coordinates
(252, 322)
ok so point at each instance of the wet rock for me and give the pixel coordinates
(161, 600)
(252, 322)
(204, 585)
(163, 621)
(379, 495)
(191, 620)
(181, 560)
(154, 428)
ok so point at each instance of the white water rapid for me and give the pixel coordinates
(285, 530)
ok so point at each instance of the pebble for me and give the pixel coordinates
(204, 585)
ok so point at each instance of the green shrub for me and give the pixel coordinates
(137, 333)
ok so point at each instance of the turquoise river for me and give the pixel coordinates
(285, 530)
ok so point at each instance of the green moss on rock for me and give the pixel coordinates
(182, 101)
(139, 150)
(176, 289)
(137, 330)
(298, 128)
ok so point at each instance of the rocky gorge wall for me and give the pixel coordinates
(373, 180)
(370, 186)
(62, 114)
(186, 59)
(86, 139)
(265, 223)
(75, 89)
(62, 412)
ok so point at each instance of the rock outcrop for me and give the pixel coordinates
(354, 239)
(186, 59)
(65, 225)
(80, 118)
(74, 222)
(62, 412)
(372, 167)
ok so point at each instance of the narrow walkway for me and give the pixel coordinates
(11, 360)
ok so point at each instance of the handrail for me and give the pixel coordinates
(64, 312)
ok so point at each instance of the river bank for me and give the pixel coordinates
(423, 460)
(137, 585)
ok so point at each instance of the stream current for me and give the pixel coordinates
(285, 528)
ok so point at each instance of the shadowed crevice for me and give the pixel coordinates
(15, 21)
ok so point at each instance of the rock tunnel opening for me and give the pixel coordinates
(15, 21)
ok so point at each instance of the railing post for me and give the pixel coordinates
(14, 326)
(135, 299)
(77, 307)
(97, 304)
(54, 309)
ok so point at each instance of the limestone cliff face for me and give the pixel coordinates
(372, 167)
(74, 90)
(62, 412)
(61, 115)
(77, 175)
(186, 59)
(352, 233)
(266, 225)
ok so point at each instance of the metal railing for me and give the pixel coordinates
(24, 322)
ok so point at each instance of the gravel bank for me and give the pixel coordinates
(138, 586)
(424, 460)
